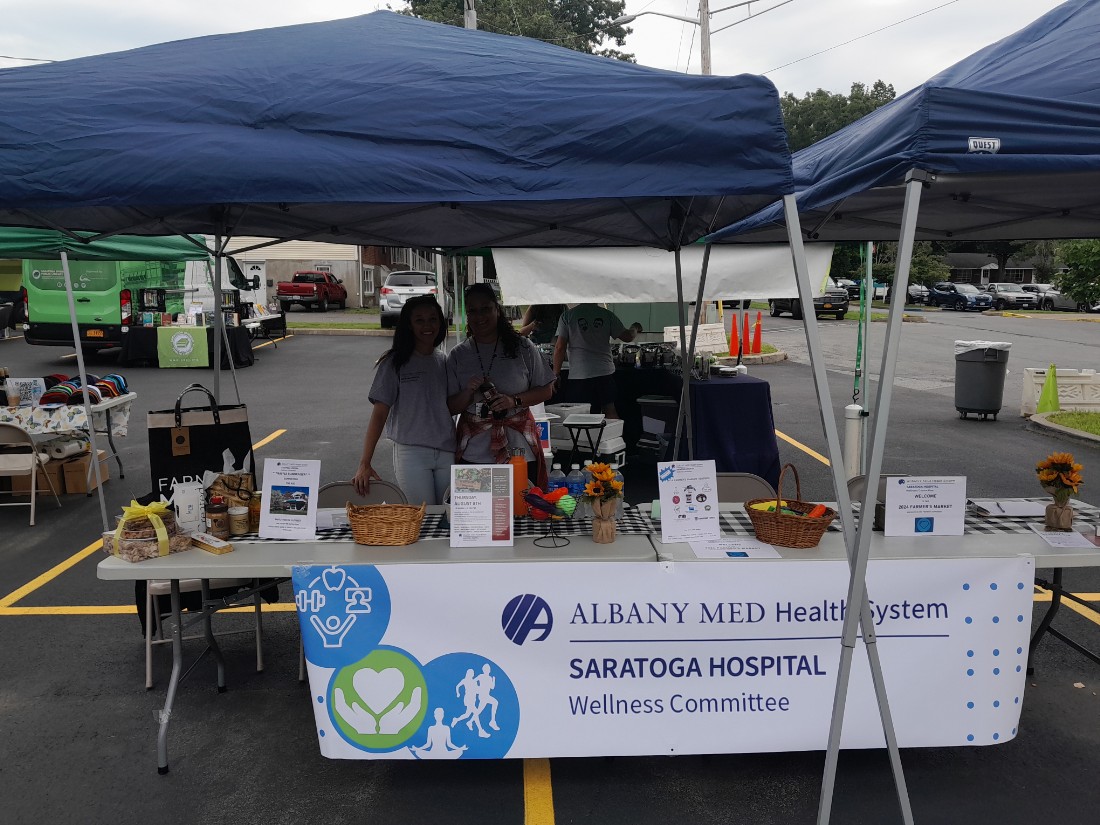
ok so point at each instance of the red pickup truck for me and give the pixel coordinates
(311, 288)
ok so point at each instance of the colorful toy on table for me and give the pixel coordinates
(556, 505)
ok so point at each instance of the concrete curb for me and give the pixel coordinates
(764, 358)
(388, 333)
(1040, 423)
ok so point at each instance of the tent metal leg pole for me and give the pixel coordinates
(832, 435)
(857, 588)
(219, 317)
(683, 417)
(691, 344)
(84, 390)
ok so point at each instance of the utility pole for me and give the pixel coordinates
(469, 14)
(704, 36)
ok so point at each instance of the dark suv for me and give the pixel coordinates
(959, 296)
(834, 302)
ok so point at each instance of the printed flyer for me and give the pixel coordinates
(689, 501)
(481, 505)
(288, 509)
(491, 661)
(925, 505)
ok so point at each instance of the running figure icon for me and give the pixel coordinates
(476, 694)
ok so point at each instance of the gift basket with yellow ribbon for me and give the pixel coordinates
(146, 531)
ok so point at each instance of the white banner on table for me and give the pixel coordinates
(925, 505)
(688, 493)
(288, 508)
(490, 661)
(481, 505)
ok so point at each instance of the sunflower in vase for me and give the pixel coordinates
(1059, 476)
(603, 494)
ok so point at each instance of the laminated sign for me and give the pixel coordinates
(185, 442)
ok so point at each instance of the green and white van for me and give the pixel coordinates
(107, 296)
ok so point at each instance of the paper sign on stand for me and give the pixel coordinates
(689, 501)
(481, 505)
(289, 506)
(925, 505)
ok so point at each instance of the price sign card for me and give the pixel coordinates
(689, 501)
(925, 505)
(288, 508)
(481, 505)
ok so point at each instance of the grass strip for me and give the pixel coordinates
(1088, 422)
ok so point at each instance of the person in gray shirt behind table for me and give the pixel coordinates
(409, 395)
(585, 332)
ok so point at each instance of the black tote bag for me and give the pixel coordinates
(185, 442)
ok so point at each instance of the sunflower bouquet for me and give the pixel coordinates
(602, 494)
(1059, 476)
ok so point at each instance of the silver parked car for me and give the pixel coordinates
(402, 285)
(1050, 298)
(1010, 296)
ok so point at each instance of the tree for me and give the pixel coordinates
(582, 25)
(1045, 261)
(818, 114)
(1082, 282)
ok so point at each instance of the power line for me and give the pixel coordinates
(862, 36)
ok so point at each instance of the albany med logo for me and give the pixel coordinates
(524, 615)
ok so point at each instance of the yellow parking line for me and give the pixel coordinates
(804, 448)
(58, 569)
(50, 574)
(272, 341)
(268, 440)
(538, 794)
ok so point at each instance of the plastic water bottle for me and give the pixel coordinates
(583, 505)
(556, 479)
(622, 490)
(575, 482)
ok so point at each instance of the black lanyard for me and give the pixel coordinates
(487, 373)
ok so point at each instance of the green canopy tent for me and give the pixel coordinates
(17, 243)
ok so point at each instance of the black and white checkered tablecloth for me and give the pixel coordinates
(737, 523)
(631, 522)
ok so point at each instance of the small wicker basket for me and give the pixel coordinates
(786, 530)
(386, 524)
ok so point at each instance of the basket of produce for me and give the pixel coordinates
(385, 524)
(789, 522)
(146, 532)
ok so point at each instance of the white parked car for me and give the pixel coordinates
(1050, 298)
(402, 285)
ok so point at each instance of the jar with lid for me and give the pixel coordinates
(254, 512)
(217, 517)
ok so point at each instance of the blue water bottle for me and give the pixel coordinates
(575, 482)
(556, 479)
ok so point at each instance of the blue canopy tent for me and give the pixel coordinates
(387, 130)
(1003, 145)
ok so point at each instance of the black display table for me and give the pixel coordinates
(139, 347)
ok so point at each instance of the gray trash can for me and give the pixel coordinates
(980, 368)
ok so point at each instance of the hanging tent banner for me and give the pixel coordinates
(639, 275)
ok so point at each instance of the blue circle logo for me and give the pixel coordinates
(525, 614)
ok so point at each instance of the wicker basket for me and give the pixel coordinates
(388, 524)
(786, 530)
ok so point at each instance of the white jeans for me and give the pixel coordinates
(423, 473)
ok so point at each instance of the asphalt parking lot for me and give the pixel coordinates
(77, 727)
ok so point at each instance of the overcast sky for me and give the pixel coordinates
(905, 52)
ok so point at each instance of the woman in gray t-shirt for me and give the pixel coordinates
(409, 395)
(493, 378)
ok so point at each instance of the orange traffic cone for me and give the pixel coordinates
(756, 345)
(733, 336)
(745, 336)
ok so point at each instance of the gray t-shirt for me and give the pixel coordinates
(587, 330)
(511, 376)
(417, 396)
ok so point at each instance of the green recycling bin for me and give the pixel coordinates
(980, 369)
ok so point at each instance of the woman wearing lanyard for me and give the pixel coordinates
(493, 378)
